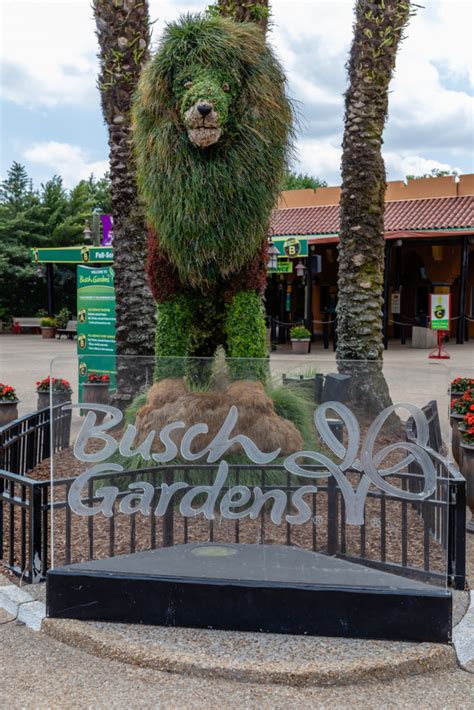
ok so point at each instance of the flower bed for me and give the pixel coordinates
(59, 385)
(7, 393)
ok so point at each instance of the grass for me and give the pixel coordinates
(291, 402)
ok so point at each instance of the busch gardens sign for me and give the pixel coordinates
(240, 501)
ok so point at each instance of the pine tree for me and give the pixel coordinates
(22, 219)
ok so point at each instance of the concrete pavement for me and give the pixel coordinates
(40, 672)
(24, 359)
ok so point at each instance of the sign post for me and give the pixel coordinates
(440, 313)
(95, 323)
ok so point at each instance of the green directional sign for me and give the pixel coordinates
(73, 255)
(95, 323)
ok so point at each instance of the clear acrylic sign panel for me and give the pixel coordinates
(323, 461)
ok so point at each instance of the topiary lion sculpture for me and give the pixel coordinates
(212, 130)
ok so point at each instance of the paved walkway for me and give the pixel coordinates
(24, 359)
(39, 672)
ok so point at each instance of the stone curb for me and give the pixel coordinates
(22, 607)
(98, 641)
(463, 636)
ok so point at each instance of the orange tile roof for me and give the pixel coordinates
(400, 215)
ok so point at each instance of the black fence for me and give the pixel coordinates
(423, 540)
(24, 502)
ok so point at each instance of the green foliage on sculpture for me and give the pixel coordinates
(247, 337)
(173, 323)
(212, 130)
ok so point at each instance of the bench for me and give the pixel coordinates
(70, 331)
(20, 324)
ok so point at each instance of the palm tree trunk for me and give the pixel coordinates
(123, 32)
(377, 34)
(378, 31)
(256, 11)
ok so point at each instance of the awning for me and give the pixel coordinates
(405, 234)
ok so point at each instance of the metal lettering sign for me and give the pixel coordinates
(241, 501)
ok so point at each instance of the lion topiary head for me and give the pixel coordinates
(212, 130)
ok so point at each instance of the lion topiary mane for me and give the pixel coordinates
(212, 131)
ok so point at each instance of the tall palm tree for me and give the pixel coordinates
(123, 32)
(256, 11)
(378, 31)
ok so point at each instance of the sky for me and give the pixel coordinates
(51, 121)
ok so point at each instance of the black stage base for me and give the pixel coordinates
(269, 588)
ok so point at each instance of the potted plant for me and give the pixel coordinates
(467, 461)
(95, 390)
(62, 391)
(300, 339)
(459, 408)
(48, 327)
(8, 404)
(459, 386)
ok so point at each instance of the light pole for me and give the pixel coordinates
(272, 267)
(87, 233)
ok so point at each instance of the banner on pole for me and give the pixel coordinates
(440, 311)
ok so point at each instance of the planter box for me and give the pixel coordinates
(48, 332)
(423, 338)
(455, 420)
(96, 393)
(58, 398)
(8, 412)
(467, 470)
(301, 346)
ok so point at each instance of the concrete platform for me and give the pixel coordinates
(252, 657)
(242, 587)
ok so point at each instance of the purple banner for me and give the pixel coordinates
(107, 230)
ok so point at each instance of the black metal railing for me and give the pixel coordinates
(25, 443)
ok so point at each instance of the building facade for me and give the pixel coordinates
(429, 232)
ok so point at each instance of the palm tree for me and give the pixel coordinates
(256, 11)
(123, 32)
(378, 31)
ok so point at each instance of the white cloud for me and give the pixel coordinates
(431, 107)
(48, 52)
(320, 158)
(66, 160)
(48, 49)
(404, 164)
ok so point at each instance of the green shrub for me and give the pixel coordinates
(299, 332)
(63, 317)
(49, 322)
(296, 405)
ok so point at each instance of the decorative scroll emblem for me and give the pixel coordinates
(356, 457)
